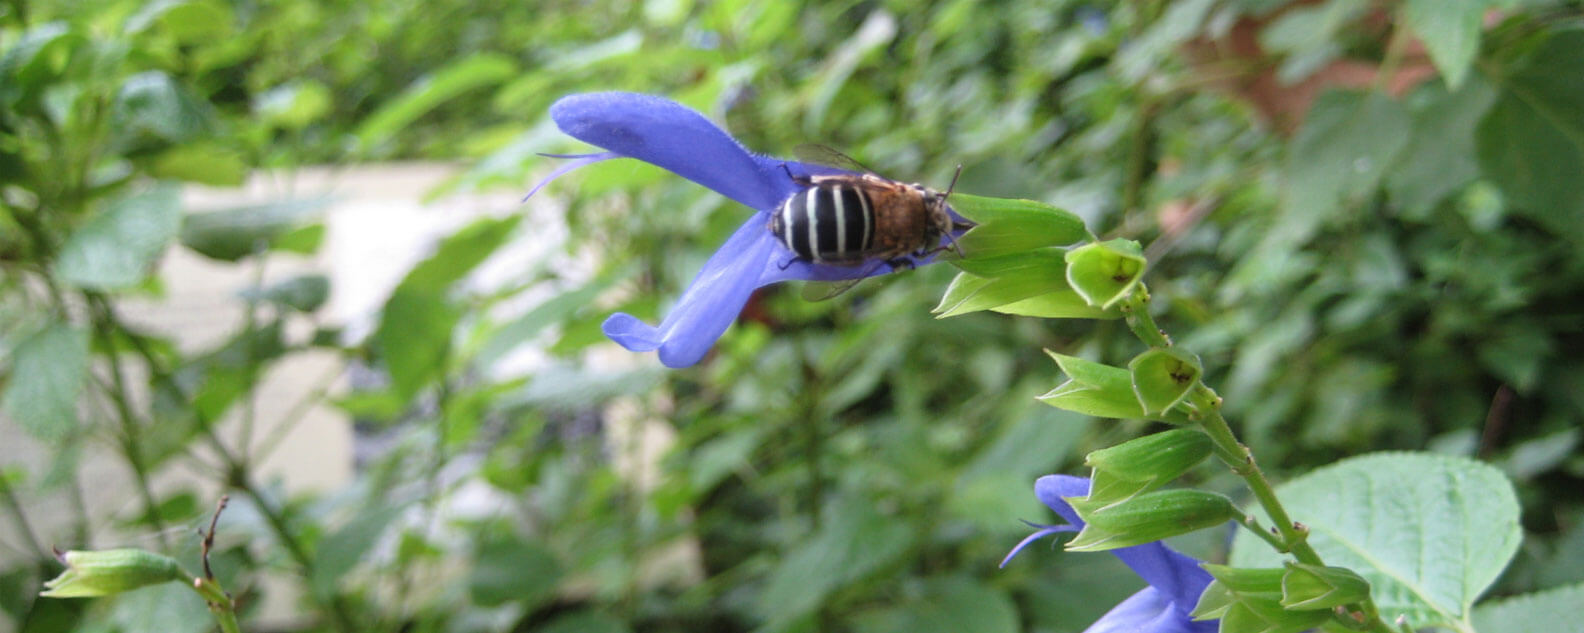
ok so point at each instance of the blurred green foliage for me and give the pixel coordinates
(1365, 217)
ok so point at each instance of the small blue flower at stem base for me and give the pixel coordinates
(1175, 580)
(668, 135)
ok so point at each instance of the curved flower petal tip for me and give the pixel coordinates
(667, 134)
(631, 333)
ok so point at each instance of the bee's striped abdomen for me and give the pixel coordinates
(829, 222)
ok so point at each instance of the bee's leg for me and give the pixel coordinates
(788, 263)
(900, 263)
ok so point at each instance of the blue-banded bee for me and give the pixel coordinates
(854, 219)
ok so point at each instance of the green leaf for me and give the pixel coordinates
(1255, 615)
(47, 373)
(854, 542)
(1450, 30)
(341, 550)
(167, 608)
(1163, 378)
(1094, 389)
(945, 605)
(304, 293)
(1531, 143)
(231, 234)
(205, 163)
(1103, 273)
(154, 105)
(507, 568)
(1148, 517)
(1429, 532)
(458, 254)
(116, 247)
(456, 78)
(588, 621)
(1551, 610)
(293, 105)
(414, 336)
(1347, 142)
(31, 59)
(1440, 157)
(1010, 226)
(190, 21)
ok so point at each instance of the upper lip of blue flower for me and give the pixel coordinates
(666, 134)
(1175, 580)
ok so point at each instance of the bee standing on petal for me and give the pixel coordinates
(851, 219)
(905, 221)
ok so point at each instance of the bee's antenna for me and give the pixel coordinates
(954, 246)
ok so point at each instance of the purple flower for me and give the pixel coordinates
(664, 133)
(1175, 580)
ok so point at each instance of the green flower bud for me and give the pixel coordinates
(1163, 378)
(1105, 272)
(1146, 463)
(1149, 517)
(106, 572)
(1306, 587)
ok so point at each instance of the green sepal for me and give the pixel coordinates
(106, 572)
(1104, 273)
(1213, 601)
(1257, 615)
(1032, 283)
(1093, 389)
(1262, 582)
(1010, 226)
(1144, 464)
(1163, 377)
(1148, 517)
(1308, 587)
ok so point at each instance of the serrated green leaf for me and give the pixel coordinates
(116, 248)
(1531, 143)
(1450, 30)
(1550, 610)
(1397, 503)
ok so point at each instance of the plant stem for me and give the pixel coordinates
(1290, 537)
(236, 473)
(130, 431)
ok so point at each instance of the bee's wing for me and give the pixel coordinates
(825, 155)
(827, 290)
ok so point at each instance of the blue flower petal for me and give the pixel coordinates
(669, 135)
(709, 305)
(1149, 611)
